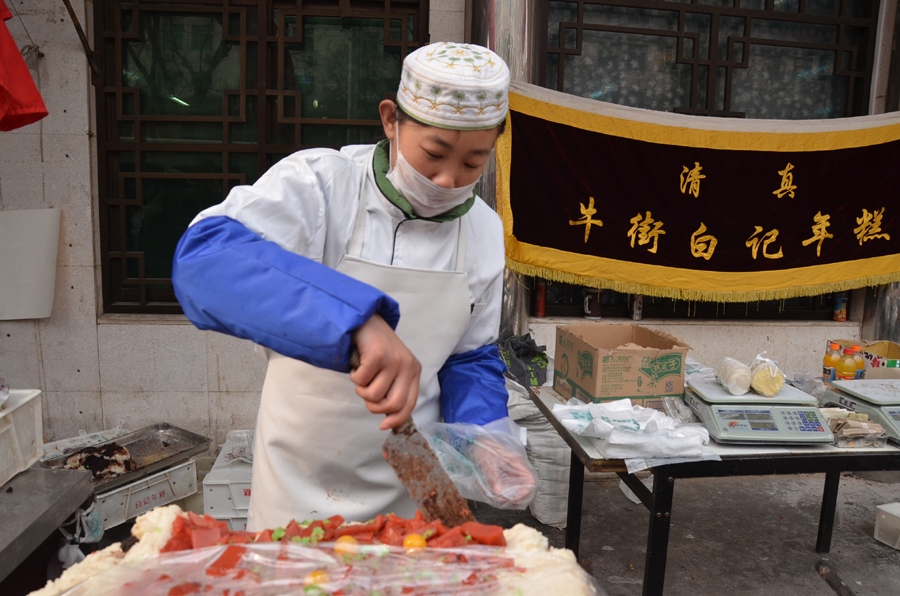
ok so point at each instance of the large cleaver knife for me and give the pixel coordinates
(424, 477)
(420, 471)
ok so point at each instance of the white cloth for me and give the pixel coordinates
(306, 203)
(318, 449)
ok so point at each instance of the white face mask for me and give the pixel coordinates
(427, 198)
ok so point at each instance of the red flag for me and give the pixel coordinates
(20, 101)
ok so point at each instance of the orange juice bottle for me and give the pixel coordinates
(830, 361)
(846, 366)
(860, 361)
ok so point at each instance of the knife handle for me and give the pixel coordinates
(406, 427)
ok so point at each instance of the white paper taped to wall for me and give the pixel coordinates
(29, 241)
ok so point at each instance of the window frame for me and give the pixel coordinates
(860, 105)
(860, 80)
(144, 295)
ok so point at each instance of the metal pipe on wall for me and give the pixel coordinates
(508, 28)
(881, 314)
(881, 317)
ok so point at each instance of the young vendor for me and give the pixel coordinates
(385, 247)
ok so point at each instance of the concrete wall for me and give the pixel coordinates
(97, 370)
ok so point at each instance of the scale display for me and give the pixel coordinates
(879, 398)
(751, 423)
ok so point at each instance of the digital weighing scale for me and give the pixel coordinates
(789, 418)
(879, 398)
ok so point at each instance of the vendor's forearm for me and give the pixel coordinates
(229, 279)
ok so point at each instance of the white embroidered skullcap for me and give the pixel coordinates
(460, 86)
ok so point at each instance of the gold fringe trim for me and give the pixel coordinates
(700, 295)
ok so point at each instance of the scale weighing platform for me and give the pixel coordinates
(879, 398)
(789, 418)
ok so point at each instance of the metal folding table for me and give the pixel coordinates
(737, 460)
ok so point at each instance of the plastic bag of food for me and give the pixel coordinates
(349, 569)
(766, 377)
(486, 463)
(734, 376)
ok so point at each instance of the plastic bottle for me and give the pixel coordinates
(846, 366)
(830, 361)
(860, 361)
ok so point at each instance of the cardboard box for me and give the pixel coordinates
(876, 354)
(608, 361)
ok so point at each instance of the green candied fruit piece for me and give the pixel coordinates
(278, 533)
(317, 534)
(300, 540)
(428, 534)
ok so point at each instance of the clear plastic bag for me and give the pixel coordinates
(275, 568)
(677, 409)
(486, 463)
(238, 447)
(809, 383)
(734, 375)
(766, 376)
(66, 447)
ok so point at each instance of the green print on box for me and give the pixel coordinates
(660, 367)
(585, 365)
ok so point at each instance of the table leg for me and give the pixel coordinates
(826, 516)
(576, 493)
(658, 536)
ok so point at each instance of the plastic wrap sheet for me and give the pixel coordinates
(281, 569)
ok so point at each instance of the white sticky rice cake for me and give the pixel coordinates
(94, 563)
(152, 529)
(548, 570)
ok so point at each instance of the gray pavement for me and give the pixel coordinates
(739, 536)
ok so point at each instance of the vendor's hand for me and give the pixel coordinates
(388, 374)
(508, 478)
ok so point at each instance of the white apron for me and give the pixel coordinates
(318, 449)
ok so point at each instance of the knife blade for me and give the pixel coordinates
(420, 471)
(425, 479)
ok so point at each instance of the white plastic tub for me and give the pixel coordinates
(141, 496)
(21, 432)
(226, 489)
(887, 524)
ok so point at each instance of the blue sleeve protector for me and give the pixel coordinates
(229, 279)
(473, 388)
